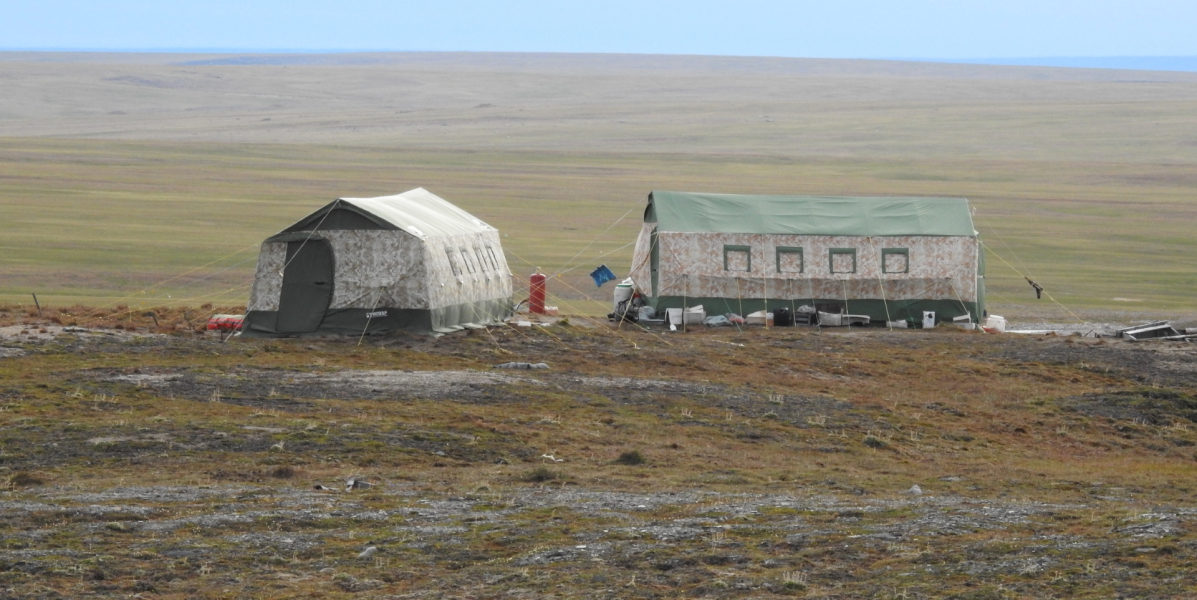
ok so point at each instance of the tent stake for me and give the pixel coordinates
(38, 305)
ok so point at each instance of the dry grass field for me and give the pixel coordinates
(121, 171)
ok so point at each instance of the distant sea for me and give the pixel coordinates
(1139, 63)
(280, 56)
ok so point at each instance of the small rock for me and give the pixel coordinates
(914, 491)
(368, 552)
(355, 483)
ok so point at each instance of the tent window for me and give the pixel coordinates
(789, 259)
(453, 262)
(481, 261)
(494, 262)
(895, 260)
(465, 258)
(842, 260)
(737, 258)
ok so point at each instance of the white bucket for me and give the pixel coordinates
(623, 293)
(928, 319)
(996, 323)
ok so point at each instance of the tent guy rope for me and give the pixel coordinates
(1038, 288)
(97, 309)
(569, 263)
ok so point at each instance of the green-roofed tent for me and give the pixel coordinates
(358, 266)
(887, 257)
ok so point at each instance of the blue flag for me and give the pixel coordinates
(602, 275)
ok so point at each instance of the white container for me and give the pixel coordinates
(838, 320)
(760, 317)
(928, 319)
(673, 316)
(623, 293)
(996, 323)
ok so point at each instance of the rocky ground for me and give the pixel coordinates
(723, 464)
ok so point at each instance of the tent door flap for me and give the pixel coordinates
(307, 286)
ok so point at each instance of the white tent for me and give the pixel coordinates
(372, 265)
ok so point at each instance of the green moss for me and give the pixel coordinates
(631, 458)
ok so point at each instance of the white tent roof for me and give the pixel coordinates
(421, 213)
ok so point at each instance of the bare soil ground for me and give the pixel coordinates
(715, 463)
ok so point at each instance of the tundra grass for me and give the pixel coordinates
(130, 177)
(769, 464)
(165, 224)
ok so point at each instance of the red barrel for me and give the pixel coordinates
(536, 292)
(225, 322)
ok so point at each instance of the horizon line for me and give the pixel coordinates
(233, 50)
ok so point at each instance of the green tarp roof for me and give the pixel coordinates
(809, 215)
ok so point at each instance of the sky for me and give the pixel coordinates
(926, 29)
